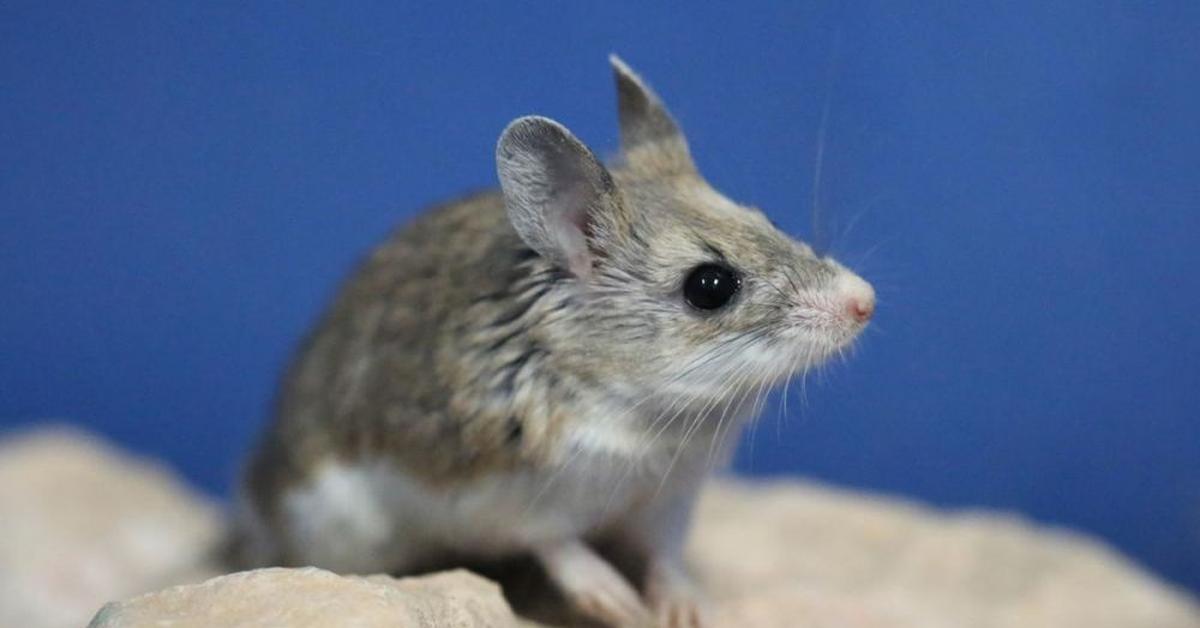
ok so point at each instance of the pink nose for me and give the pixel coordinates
(857, 297)
(861, 308)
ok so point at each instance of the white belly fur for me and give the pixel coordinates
(371, 516)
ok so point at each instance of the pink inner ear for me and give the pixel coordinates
(572, 228)
(573, 244)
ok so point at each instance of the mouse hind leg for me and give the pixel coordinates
(340, 520)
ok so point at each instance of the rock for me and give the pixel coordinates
(314, 598)
(796, 554)
(82, 524)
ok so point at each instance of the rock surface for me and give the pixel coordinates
(313, 598)
(801, 555)
(82, 524)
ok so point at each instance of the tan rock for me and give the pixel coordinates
(313, 598)
(796, 554)
(82, 524)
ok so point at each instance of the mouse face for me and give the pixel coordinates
(681, 289)
(732, 296)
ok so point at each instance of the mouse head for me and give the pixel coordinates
(678, 288)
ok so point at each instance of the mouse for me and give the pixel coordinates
(545, 367)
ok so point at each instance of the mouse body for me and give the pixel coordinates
(532, 369)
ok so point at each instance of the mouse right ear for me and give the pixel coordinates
(558, 195)
(650, 137)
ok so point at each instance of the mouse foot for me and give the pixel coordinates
(674, 600)
(593, 586)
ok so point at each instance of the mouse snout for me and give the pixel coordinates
(861, 309)
(857, 297)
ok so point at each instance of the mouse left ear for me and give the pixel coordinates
(650, 137)
(559, 197)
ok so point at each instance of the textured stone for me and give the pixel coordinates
(796, 554)
(314, 598)
(82, 524)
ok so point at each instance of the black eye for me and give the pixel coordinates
(710, 286)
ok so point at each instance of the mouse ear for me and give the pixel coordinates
(650, 136)
(557, 193)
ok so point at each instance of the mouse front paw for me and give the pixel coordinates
(673, 598)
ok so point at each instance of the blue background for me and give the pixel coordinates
(182, 186)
